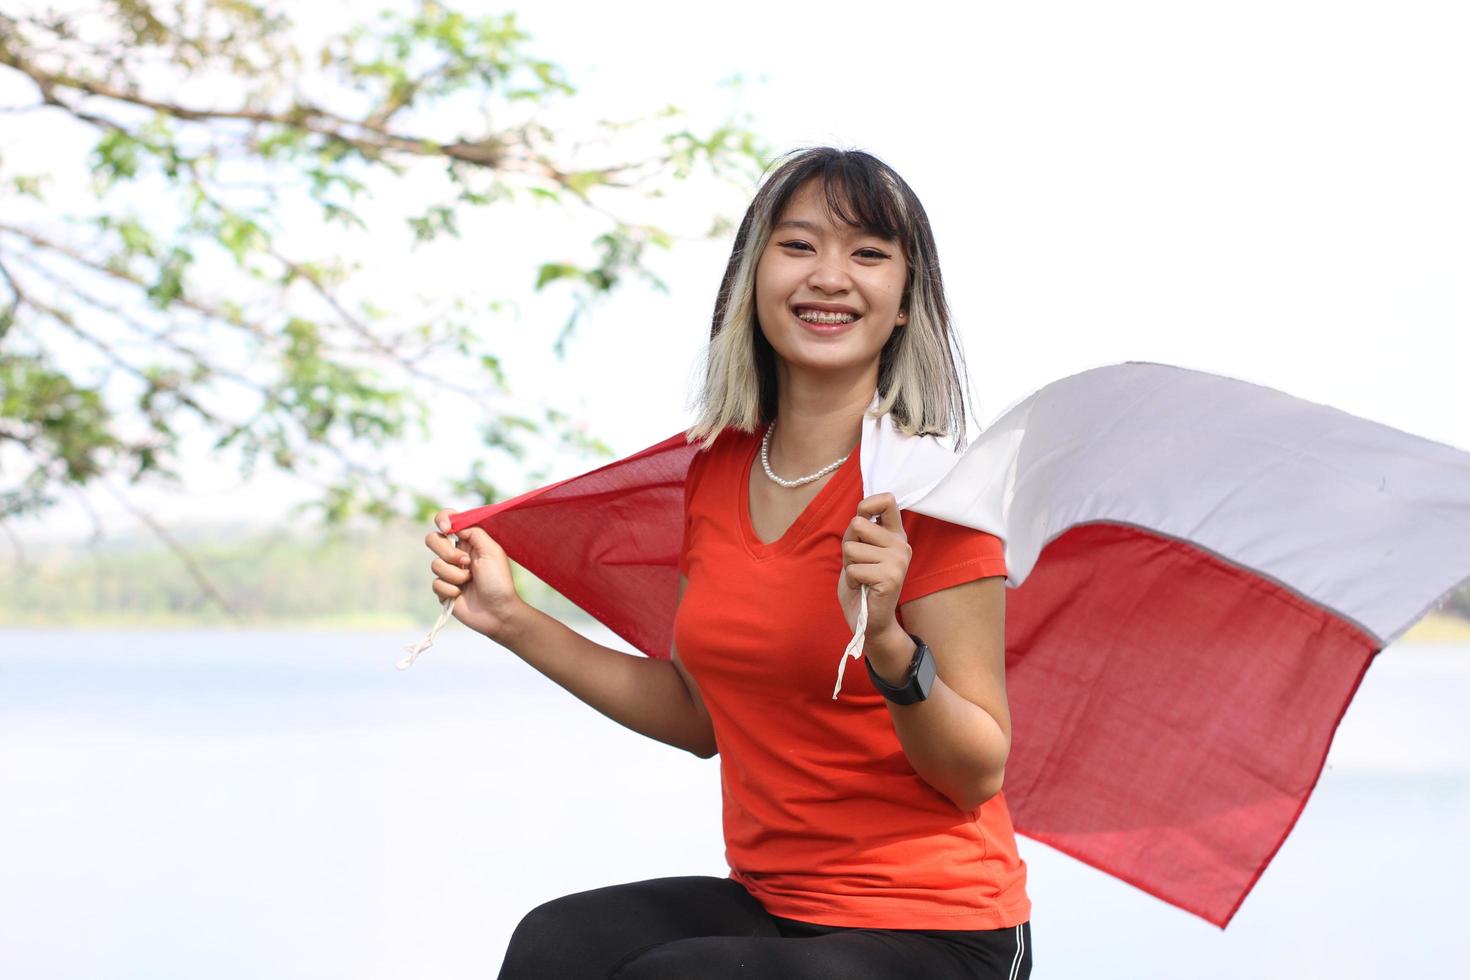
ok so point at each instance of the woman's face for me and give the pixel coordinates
(814, 261)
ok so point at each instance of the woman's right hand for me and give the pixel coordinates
(476, 575)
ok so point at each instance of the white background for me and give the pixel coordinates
(1272, 191)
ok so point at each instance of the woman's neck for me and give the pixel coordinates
(811, 433)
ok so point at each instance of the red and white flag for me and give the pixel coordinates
(1201, 570)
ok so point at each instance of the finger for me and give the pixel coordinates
(862, 528)
(877, 507)
(862, 552)
(875, 577)
(449, 573)
(860, 575)
(888, 514)
(444, 548)
(444, 590)
(477, 542)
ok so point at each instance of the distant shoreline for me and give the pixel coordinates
(358, 579)
(374, 622)
(1436, 628)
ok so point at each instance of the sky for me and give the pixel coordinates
(1269, 191)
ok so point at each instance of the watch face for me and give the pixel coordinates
(924, 677)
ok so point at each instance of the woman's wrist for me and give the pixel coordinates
(890, 653)
(506, 624)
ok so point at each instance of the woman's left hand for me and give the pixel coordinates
(876, 555)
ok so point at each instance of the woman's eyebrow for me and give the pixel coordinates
(817, 229)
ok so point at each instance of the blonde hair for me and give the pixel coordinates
(921, 372)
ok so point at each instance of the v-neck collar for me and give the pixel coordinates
(810, 515)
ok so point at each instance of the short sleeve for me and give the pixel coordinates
(691, 479)
(946, 554)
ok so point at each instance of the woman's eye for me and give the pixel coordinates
(867, 253)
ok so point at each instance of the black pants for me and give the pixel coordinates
(712, 928)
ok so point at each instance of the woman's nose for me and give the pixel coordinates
(829, 277)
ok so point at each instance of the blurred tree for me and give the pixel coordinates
(1458, 603)
(177, 270)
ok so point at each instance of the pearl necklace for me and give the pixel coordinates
(766, 462)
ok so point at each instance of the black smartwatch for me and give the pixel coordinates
(916, 682)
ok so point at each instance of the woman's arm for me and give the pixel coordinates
(959, 737)
(648, 695)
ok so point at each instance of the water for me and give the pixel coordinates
(287, 804)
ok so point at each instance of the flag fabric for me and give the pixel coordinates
(1200, 570)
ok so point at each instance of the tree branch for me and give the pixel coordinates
(66, 320)
(180, 552)
(261, 333)
(157, 336)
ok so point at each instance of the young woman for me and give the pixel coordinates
(867, 834)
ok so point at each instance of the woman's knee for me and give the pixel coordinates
(743, 957)
(668, 961)
(582, 933)
(555, 938)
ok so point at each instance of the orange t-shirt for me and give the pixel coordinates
(825, 820)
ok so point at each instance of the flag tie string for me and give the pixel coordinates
(447, 610)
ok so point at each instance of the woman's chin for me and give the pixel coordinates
(827, 358)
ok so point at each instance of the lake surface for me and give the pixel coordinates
(289, 805)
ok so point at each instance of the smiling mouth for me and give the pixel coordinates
(821, 327)
(821, 318)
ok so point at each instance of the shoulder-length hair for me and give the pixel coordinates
(921, 376)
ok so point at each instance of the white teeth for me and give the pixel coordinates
(814, 316)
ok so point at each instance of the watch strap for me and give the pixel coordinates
(917, 681)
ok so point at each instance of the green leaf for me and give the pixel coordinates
(29, 185)
(491, 363)
(552, 271)
(240, 235)
(115, 157)
(170, 282)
